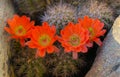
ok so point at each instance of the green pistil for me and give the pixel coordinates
(20, 30)
(91, 31)
(74, 40)
(44, 40)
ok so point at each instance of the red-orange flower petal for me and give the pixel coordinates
(19, 27)
(95, 28)
(50, 49)
(8, 30)
(40, 53)
(73, 38)
(22, 42)
(42, 38)
(98, 41)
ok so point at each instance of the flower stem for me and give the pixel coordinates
(75, 55)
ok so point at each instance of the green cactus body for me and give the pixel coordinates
(115, 4)
(63, 65)
(112, 3)
(23, 62)
(96, 9)
(59, 15)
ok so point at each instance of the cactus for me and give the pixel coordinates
(63, 65)
(98, 10)
(75, 2)
(112, 3)
(115, 4)
(59, 15)
(30, 6)
(23, 62)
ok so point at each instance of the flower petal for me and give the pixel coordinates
(67, 49)
(98, 41)
(101, 33)
(84, 49)
(8, 30)
(89, 44)
(50, 49)
(22, 42)
(40, 53)
(31, 44)
(56, 49)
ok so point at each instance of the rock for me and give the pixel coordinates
(107, 62)
(6, 11)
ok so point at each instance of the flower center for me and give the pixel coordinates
(20, 30)
(74, 40)
(44, 40)
(91, 31)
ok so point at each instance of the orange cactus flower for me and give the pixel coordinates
(19, 28)
(95, 28)
(73, 39)
(42, 38)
